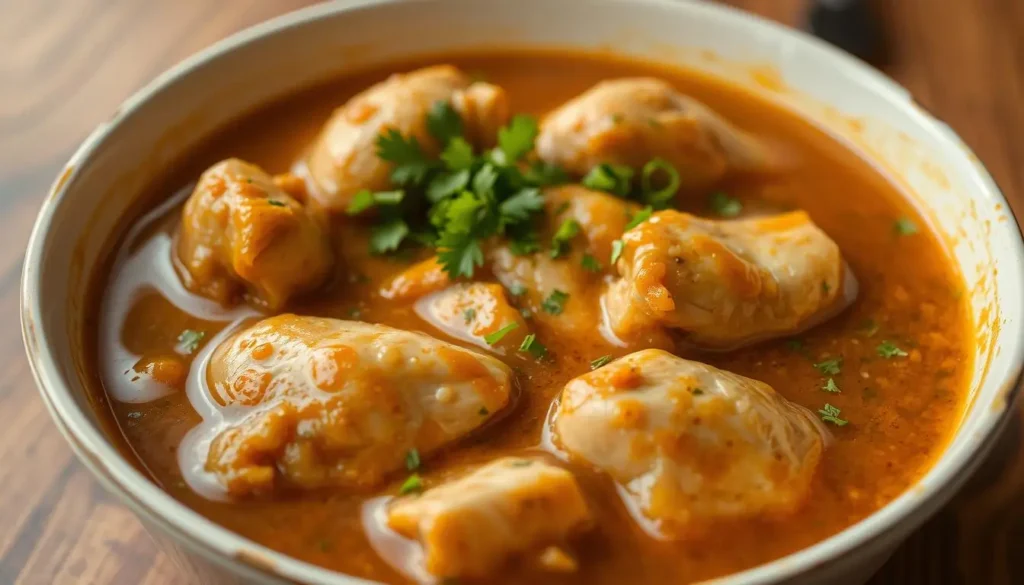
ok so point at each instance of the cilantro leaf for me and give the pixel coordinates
(365, 199)
(458, 155)
(555, 303)
(615, 179)
(443, 122)
(869, 327)
(889, 350)
(830, 386)
(190, 339)
(724, 206)
(532, 346)
(569, 229)
(459, 256)
(387, 236)
(523, 243)
(410, 163)
(542, 174)
(659, 198)
(521, 205)
(597, 363)
(640, 217)
(276, 203)
(830, 367)
(496, 336)
(445, 185)
(590, 263)
(516, 139)
(831, 414)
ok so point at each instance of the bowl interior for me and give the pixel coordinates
(106, 178)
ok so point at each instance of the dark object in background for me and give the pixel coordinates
(849, 25)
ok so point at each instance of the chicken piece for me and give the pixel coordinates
(690, 444)
(631, 121)
(421, 279)
(727, 283)
(472, 526)
(471, 311)
(316, 402)
(242, 232)
(344, 159)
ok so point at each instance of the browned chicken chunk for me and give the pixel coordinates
(473, 525)
(243, 231)
(631, 121)
(344, 159)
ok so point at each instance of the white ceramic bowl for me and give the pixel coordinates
(104, 179)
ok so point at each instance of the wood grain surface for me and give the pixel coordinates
(66, 64)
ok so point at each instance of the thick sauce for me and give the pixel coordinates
(901, 411)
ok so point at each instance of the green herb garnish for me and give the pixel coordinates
(615, 179)
(276, 203)
(412, 460)
(659, 198)
(904, 227)
(555, 302)
(830, 367)
(496, 336)
(387, 237)
(366, 199)
(590, 263)
(532, 346)
(617, 246)
(468, 315)
(594, 364)
(190, 340)
(830, 414)
(724, 206)
(888, 349)
(412, 484)
(830, 386)
(569, 229)
(640, 217)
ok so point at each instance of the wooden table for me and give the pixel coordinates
(66, 64)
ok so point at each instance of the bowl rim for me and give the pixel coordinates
(219, 544)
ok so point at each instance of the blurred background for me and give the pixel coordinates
(65, 65)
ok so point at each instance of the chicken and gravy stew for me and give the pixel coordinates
(531, 317)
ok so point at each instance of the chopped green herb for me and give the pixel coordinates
(405, 154)
(617, 246)
(600, 362)
(412, 460)
(830, 386)
(904, 227)
(412, 484)
(190, 339)
(724, 206)
(532, 346)
(443, 122)
(830, 414)
(520, 206)
(483, 411)
(590, 263)
(825, 288)
(640, 217)
(276, 203)
(615, 179)
(447, 184)
(526, 313)
(516, 139)
(561, 208)
(468, 315)
(387, 237)
(555, 302)
(830, 367)
(659, 198)
(542, 174)
(888, 349)
(458, 155)
(516, 289)
(569, 229)
(869, 327)
(496, 336)
(364, 200)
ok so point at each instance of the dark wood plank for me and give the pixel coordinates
(66, 65)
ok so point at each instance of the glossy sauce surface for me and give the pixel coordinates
(900, 411)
